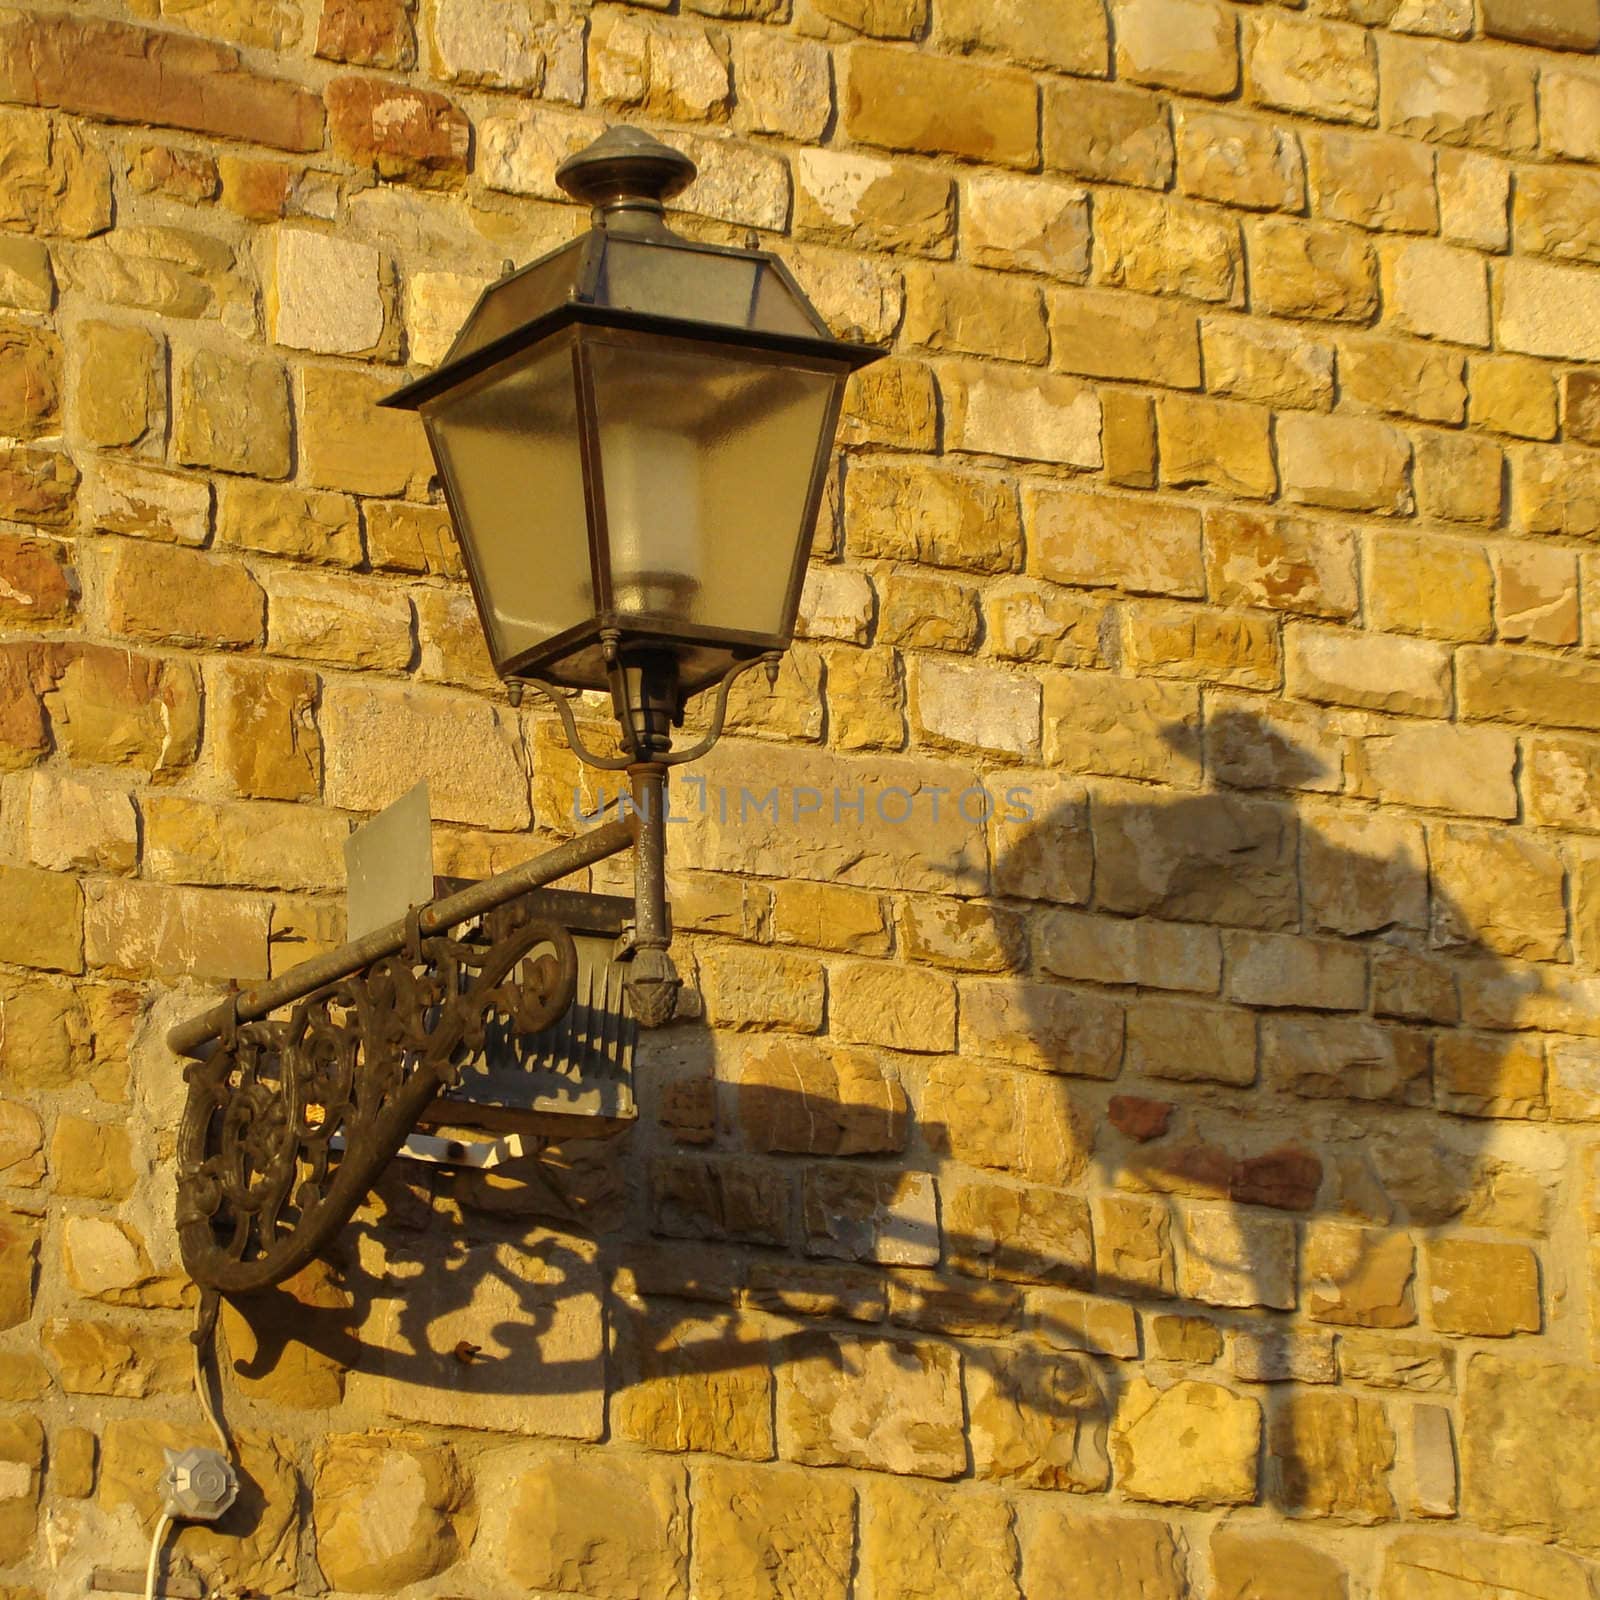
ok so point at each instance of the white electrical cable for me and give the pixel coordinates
(202, 1391)
(162, 1525)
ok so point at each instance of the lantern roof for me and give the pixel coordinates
(631, 271)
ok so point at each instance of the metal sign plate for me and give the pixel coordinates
(389, 863)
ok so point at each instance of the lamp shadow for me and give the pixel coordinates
(1268, 1043)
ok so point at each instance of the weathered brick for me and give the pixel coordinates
(1457, 96)
(400, 132)
(124, 73)
(1374, 181)
(1302, 269)
(160, 592)
(1188, 45)
(1157, 246)
(1315, 68)
(1114, 135)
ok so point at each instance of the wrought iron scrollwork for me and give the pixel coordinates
(289, 1121)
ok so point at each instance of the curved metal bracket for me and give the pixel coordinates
(675, 758)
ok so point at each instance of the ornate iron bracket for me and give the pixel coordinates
(290, 1120)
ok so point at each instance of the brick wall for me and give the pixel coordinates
(1186, 1189)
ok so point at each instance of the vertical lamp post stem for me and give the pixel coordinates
(653, 984)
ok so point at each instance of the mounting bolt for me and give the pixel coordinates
(199, 1485)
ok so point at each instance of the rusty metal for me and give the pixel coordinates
(192, 1038)
(289, 1121)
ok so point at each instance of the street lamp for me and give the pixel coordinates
(633, 434)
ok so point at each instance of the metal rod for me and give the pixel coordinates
(187, 1038)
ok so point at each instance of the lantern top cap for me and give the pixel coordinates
(625, 169)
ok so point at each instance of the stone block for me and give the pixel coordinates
(1123, 727)
(1474, 199)
(120, 383)
(1108, 134)
(784, 86)
(771, 1533)
(1117, 541)
(1313, 68)
(44, 922)
(1216, 444)
(168, 595)
(1106, 334)
(27, 282)
(900, 100)
(1569, 113)
(1542, 309)
(123, 73)
(1358, 1277)
(124, 497)
(884, 1405)
(604, 1525)
(1060, 35)
(1177, 1040)
(893, 403)
(913, 1538)
(974, 707)
(1188, 45)
(1524, 1467)
(1372, 180)
(898, 1007)
(1333, 1454)
(1228, 1257)
(1030, 416)
(1555, 24)
(528, 44)
(1008, 1122)
(366, 33)
(231, 413)
(1346, 463)
(1457, 97)
(1156, 246)
(856, 1214)
(1019, 1235)
(265, 730)
(1379, 672)
(1256, 1566)
(1190, 1444)
(1238, 161)
(1436, 291)
(412, 135)
(1403, 378)
(1438, 1566)
(1257, 361)
(1302, 269)
(326, 292)
(1281, 563)
(136, 929)
(1026, 224)
(809, 1099)
(661, 69)
(1038, 1421)
(347, 443)
(692, 1383)
(1458, 477)
(1479, 1287)
(1066, 1553)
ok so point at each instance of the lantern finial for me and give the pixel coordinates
(625, 172)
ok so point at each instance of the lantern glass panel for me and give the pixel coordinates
(507, 443)
(708, 462)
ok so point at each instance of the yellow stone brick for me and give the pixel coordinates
(306, 526)
(1436, 291)
(1458, 476)
(120, 383)
(91, 1160)
(165, 594)
(1555, 489)
(1345, 463)
(918, 611)
(1373, 180)
(1459, 97)
(351, 622)
(975, 312)
(43, 926)
(893, 402)
(1157, 246)
(1313, 68)
(1177, 641)
(347, 443)
(1481, 1075)
(1474, 199)
(139, 929)
(231, 412)
(1497, 889)
(1216, 444)
(909, 100)
(1520, 687)
(1118, 541)
(1248, 360)
(1025, 224)
(770, 1532)
(1558, 24)
(1190, 1444)
(866, 202)
(1483, 1288)
(1440, 588)
(1122, 727)
(1403, 378)
(1062, 35)
(1381, 672)
(901, 1008)
(1569, 113)
(1106, 334)
(866, 700)
(1188, 45)
(1358, 1277)
(1028, 621)
(1128, 439)
(1335, 1454)
(944, 518)
(1544, 309)
(1536, 595)
(1300, 269)
(264, 730)
(1066, 1552)
(829, 917)
(258, 844)
(998, 410)
(1117, 135)
(1283, 563)
(913, 1538)
(412, 539)
(1240, 161)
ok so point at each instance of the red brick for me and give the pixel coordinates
(172, 80)
(402, 132)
